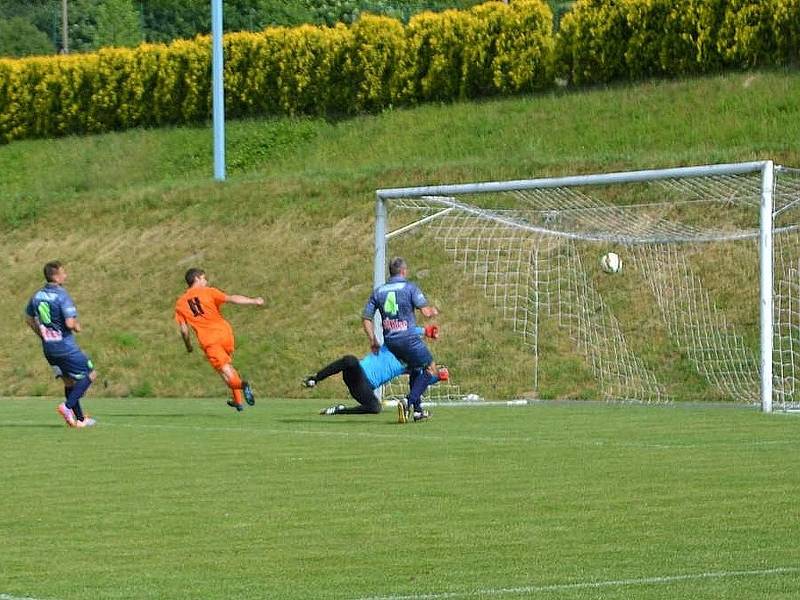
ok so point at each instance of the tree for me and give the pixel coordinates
(166, 20)
(118, 24)
(254, 15)
(94, 24)
(24, 8)
(18, 37)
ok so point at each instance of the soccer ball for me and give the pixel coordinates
(611, 262)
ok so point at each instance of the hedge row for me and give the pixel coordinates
(377, 62)
(602, 40)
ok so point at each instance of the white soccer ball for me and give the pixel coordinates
(611, 262)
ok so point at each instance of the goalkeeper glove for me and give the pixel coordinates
(432, 331)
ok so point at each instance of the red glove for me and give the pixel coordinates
(432, 331)
(444, 374)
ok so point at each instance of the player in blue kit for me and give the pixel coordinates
(397, 301)
(364, 376)
(52, 316)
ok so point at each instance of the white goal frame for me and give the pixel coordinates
(766, 168)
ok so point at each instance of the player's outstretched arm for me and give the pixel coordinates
(239, 299)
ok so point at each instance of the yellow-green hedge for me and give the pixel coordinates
(375, 63)
(759, 33)
(603, 40)
(491, 49)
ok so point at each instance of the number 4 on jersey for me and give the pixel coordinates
(43, 309)
(390, 304)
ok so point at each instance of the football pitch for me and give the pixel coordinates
(187, 499)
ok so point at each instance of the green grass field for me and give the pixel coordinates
(183, 498)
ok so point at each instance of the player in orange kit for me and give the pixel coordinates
(199, 306)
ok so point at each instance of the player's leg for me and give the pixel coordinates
(413, 352)
(78, 374)
(236, 380)
(419, 381)
(357, 384)
(337, 366)
(222, 362)
(371, 408)
(360, 389)
(66, 413)
(80, 389)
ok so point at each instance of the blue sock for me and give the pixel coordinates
(76, 409)
(419, 382)
(413, 377)
(74, 395)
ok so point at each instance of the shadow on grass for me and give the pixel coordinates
(33, 425)
(338, 420)
(155, 415)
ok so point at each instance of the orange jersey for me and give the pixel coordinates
(200, 308)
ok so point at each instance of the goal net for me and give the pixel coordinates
(705, 307)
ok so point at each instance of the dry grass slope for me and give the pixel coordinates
(130, 212)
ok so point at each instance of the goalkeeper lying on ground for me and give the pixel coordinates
(363, 377)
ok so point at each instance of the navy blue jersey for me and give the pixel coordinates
(51, 306)
(397, 300)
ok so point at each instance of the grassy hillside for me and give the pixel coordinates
(130, 212)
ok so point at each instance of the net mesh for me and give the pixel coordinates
(690, 278)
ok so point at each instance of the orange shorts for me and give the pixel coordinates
(219, 353)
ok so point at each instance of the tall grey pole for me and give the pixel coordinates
(64, 28)
(218, 93)
(379, 270)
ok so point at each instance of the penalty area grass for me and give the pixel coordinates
(184, 498)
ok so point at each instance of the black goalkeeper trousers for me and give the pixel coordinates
(357, 384)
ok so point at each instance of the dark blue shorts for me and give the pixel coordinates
(411, 350)
(75, 365)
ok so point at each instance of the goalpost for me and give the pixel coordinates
(705, 307)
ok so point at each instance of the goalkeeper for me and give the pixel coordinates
(363, 377)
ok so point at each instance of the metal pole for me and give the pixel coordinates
(64, 28)
(379, 267)
(765, 285)
(555, 182)
(218, 94)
